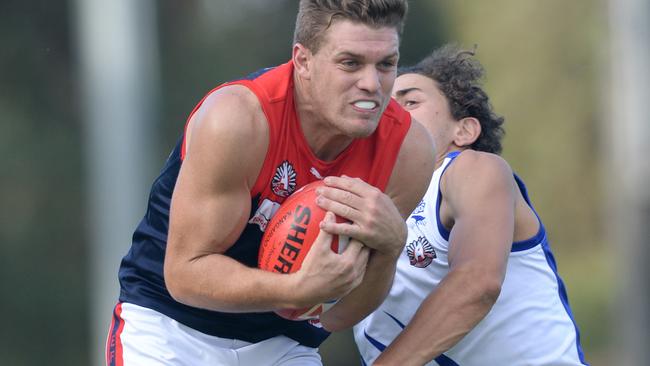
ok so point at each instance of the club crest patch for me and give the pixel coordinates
(420, 252)
(284, 180)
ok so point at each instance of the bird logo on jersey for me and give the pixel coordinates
(284, 180)
(417, 216)
(420, 252)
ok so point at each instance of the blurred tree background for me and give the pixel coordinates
(544, 62)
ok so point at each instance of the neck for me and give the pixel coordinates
(440, 157)
(323, 139)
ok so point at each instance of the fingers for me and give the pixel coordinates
(353, 249)
(343, 203)
(354, 185)
(358, 254)
(375, 219)
(364, 255)
(360, 266)
(350, 198)
(340, 228)
(340, 209)
(343, 189)
(323, 240)
(329, 225)
(326, 275)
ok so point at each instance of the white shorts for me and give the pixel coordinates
(143, 337)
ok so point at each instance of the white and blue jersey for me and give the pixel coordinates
(530, 324)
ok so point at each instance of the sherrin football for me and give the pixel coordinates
(289, 236)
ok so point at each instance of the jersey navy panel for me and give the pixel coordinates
(141, 271)
(142, 282)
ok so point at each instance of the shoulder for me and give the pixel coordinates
(229, 128)
(232, 101)
(231, 111)
(479, 163)
(476, 171)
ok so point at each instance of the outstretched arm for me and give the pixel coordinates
(379, 223)
(479, 194)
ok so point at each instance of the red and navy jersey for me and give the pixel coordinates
(289, 165)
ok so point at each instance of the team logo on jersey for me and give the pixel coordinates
(315, 173)
(264, 213)
(420, 208)
(315, 323)
(417, 214)
(284, 180)
(420, 252)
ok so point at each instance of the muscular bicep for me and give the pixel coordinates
(413, 169)
(211, 199)
(479, 197)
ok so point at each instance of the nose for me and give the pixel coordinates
(369, 80)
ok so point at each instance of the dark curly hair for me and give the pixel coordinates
(458, 76)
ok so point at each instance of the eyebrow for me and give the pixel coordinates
(359, 56)
(403, 92)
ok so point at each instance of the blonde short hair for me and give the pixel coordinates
(316, 16)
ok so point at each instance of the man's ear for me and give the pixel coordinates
(301, 57)
(467, 132)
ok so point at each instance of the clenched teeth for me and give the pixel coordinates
(365, 104)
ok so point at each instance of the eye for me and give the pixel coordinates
(350, 64)
(410, 103)
(387, 65)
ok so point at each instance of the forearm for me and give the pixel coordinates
(366, 297)
(220, 283)
(457, 305)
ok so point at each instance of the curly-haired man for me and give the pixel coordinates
(477, 283)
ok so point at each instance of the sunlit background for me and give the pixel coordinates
(94, 94)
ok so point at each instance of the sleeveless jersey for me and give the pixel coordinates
(289, 165)
(530, 323)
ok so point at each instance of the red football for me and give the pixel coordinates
(289, 236)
